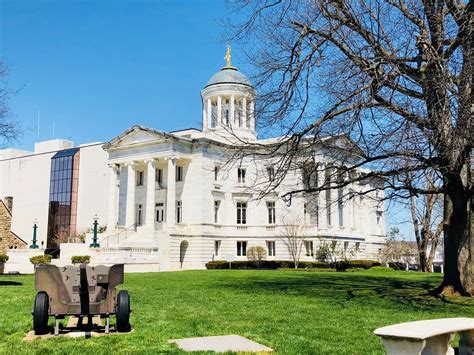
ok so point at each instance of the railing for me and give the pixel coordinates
(105, 242)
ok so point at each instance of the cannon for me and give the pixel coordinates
(83, 291)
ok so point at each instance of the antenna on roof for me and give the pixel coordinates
(38, 124)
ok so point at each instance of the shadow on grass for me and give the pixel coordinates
(343, 288)
(10, 283)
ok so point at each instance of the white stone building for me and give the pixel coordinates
(175, 196)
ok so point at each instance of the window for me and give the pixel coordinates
(271, 248)
(227, 116)
(159, 176)
(379, 215)
(241, 175)
(357, 247)
(241, 212)
(271, 212)
(346, 246)
(308, 244)
(160, 212)
(139, 215)
(216, 173)
(139, 178)
(179, 173)
(271, 173)
(217, 245)
(179, 212)
(306, 215)
(241, 248)
(216, 211)
(316, 212)
(340, 207)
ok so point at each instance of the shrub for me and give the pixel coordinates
(220, 264)
(81, 259)
(40, 259)
(397, 265)
(266, 264)
(363, 264)
(256, 254)
(341, 265)
(3, 258)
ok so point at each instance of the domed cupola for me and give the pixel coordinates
(228, 102)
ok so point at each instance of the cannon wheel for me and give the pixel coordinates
(40, 313)
(122, 313)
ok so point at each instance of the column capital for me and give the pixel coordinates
(151, 161)
(115, 167)
(130, 164)
(173, 158)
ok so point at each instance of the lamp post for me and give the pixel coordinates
(94, 239)
(35, 227)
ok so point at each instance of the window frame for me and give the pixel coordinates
(179, 211)
(271, 248)
(179, 173)
(271, 212)
(241, 172)
(217, 204)
(140, 178)
(241, 212)
(241, 248)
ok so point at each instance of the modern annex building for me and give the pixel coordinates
(174, 194)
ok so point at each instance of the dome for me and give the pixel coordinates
(228, 75)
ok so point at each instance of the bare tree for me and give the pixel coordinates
(9, 129)
(256, 254)
(292, 235)
(390, 81)
(427, 218)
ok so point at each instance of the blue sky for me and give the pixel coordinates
(94, 68)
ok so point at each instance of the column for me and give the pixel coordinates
(150, 194)
(252, 116)
(232, 112)
(112, 218)
(219, 110)
(209, 113)
(244, 112)
(321, 197)
(171, 192)
(130, 206)
(205, 118)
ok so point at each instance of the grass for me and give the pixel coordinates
(293, 312)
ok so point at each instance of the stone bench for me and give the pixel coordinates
(428, 337)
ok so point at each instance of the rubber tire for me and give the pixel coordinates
(122, 312)
(40, 313)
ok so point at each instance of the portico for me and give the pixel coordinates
(139, 189)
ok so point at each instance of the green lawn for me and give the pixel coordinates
(294, 312)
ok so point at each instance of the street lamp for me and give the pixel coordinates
(94, 238)
(35, 227)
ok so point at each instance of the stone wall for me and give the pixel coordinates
(8, 239)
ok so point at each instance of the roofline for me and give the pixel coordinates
(50, 152)
(228, 82)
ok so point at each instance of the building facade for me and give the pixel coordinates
(179, 193)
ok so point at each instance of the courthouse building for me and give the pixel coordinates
(174, 195)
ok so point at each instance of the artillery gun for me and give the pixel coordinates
(83, 291)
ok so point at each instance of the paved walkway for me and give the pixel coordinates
(220, 344)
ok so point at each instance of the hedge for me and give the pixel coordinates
(81, 259)
(3, 258)
(397, 265)
(41, 259)
(284, 264)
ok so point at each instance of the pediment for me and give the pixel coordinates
(136, 135)
(139, 137)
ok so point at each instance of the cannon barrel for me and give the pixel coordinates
(84, 290)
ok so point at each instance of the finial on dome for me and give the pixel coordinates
(228, 56)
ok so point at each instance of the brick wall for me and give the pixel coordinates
(8, 239)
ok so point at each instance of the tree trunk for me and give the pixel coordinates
(458, 244)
